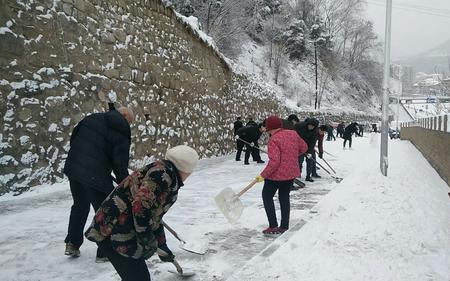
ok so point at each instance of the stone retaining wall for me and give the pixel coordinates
(434, 145)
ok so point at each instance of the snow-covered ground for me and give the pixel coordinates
(427, 110)
(365, 228)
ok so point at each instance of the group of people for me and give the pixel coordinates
(248, 137)
(290, 144)
(309, 130)
(345, 132)
(127, 226)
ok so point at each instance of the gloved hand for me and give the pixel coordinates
(309, 155)
(259, 178)
(320, 155)
(167, 256)
(236, 137)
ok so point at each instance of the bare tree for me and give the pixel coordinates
(363, 40)
(279, 57)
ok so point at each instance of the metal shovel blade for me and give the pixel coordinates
(229, 204)
(193, 248)
(337, 179)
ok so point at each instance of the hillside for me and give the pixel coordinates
(347, 92)
(435, 59)
(274, 41)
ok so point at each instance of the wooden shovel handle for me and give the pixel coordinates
(250, 185)
(173, 232)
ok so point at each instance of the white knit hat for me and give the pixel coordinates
(185, 158)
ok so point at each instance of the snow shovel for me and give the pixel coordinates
(330, 154)
(327, 164)
(337, 179)
(253, 145)
(179, 271)
(189, 247)
(229, 203)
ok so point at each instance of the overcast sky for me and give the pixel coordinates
(412, 32)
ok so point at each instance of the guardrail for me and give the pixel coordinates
(436, 123)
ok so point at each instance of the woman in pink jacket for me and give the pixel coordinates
(285, 146)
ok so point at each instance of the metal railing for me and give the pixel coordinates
(435, 123)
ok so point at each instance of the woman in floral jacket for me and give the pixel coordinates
(128, 225)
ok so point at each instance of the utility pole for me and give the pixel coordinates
(400, 92)
(315, 60)
(386, 78)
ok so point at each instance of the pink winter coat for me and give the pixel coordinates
(285, 146)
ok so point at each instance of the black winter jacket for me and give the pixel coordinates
(249, 133)
(309, 136)
(237, 125)
(350, 130)
(100, 143)
(287, 124)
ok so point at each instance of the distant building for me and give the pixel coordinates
(406, 74)
(431, 85)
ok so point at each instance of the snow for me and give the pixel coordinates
(66, 121)
(367, 227)
(29, 158)
(112, 96)
(296, 84)
(24, 140)
(428, 109)
(6, 159)
(403, 114)
(47, 70)
(4, 30)
(52, 127)
(371, 228)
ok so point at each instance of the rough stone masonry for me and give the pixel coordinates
(61, 59)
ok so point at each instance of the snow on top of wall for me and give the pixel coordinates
(193, 23)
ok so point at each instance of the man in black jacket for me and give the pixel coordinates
(308, 131)
(348, 132)
(330, 134)
(251, 122)
(340, 130)
(239, 144)
(250, 134)
(99, 144)
(290, 122)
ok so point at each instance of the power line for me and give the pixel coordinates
(410, 9)
(419, 7)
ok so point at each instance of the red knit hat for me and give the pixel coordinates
(273, 122)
